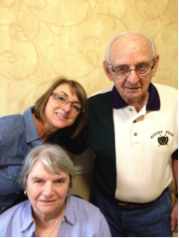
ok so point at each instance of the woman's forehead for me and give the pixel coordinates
(40, 169)
(66, 88)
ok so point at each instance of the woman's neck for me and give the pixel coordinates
(47, 225)
(42, 128)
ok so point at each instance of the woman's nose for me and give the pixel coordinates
(67, 107)
(48, 189)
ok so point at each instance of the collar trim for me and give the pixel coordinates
(153, 103)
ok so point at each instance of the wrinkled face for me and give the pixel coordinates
(57, 115)
(47, 191)
(131, 50)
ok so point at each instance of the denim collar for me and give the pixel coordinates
(30, 128)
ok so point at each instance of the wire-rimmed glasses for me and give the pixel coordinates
(63, 99)
(140, 69)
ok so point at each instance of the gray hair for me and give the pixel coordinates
(52, 156)
(122, 33)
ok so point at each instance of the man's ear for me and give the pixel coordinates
(156, 62)
(107, 70)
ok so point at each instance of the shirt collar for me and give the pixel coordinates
(69, 213)
(28, 221)
(153, 103)
(30, 129)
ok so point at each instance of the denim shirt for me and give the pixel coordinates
(18, 135)
(81, 219)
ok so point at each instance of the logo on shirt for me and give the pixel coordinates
(163, 140)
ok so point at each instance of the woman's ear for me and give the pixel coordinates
(107, 70)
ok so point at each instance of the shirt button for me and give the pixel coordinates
(17, 193)
(134, 121)
(3, 208)
(130, 109)
(135, 134)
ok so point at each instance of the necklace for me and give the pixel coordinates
(58, 224)
(60, 218)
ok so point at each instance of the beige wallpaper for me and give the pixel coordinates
(42, 39)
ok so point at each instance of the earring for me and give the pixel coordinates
(25, 193)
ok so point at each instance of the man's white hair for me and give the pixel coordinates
(122, 33)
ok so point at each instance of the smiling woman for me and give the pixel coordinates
(66, 114)
(47, 176)
(47, 104)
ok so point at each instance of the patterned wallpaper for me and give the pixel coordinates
(43, 39)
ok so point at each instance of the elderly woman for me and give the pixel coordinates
(47, 176)
(63, 108)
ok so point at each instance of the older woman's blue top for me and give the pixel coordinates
(81, 219)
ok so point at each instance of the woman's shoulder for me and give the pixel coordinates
(11, 127)
(86, 217)
(15, 220)
(15, 118)
(18, 211)
(11, 122)
(83, 207)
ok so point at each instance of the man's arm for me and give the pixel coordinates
(77, 145)
(174, 213)
(71, 155)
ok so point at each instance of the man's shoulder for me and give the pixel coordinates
(168, 95)
(102, 92)
(165, 89)
(101, 97)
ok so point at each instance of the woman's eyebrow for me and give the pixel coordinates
(36, 178)
(63, 178)
(63, 93)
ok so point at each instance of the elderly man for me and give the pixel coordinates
(133, 132)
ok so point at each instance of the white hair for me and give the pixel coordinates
(52, 156)
(122, 33)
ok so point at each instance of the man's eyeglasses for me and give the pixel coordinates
(124, 71)
(63, 99)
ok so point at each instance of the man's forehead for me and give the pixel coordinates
(130, 44)
(131, 37)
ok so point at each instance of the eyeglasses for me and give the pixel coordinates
(63, 99)
(124, 71)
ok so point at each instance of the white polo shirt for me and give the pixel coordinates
(140, 167)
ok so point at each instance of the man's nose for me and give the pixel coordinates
(133, 78)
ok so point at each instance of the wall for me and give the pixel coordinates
(43, 39)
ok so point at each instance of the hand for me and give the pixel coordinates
(174, 217)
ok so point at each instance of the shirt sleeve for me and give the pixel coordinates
(76, 145)
(175, 155)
